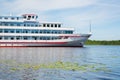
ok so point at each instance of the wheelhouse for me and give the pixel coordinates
(27, 25)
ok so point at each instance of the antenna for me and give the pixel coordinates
(90, 27)
(10, 14)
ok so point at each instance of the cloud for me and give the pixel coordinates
(43, 5)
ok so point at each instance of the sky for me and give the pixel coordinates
(104, 15)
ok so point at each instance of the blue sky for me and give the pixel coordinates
(103, 14)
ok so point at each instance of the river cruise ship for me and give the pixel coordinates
(26, 31)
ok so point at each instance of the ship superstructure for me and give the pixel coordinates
(26, 30)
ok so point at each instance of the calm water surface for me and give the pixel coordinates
(109, 56)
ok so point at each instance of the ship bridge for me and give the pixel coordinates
(30, 17)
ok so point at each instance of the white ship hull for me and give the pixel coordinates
(27, 31)
(74, 41)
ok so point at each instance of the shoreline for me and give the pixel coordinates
(103, 42)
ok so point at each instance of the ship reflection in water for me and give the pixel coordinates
(59, 63)
(37, 55)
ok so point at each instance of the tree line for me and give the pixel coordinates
(96, 42)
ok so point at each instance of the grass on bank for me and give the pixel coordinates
(96, 42)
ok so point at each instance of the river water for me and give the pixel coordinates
(17, 63)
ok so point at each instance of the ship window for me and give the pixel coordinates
(24, 24)
(0, 30)
(34, 38)
(2, 24)
(25, 38)
(32, 31)
(12, 38)
(28, 17)
(28, 25)
(33, 17)
(71, 32)
(0, 38)
(44, 25)
(47, 38)
(18, 24)
(36, 25)
(44, 31)
(51, 25)
(5, 18)
(0, 17)
(36, 31)
(59, 25)
(40, 31)
(11, 24)
(25, 31)
(17, 31)
(36, 16)
(55, 25)
(12, 18)
(66, 32)
(63, 32)
(40, 38)
(48, 31)
(17, 18)
(6, 24)
(6, 37)
(6, 31)
(56, 32)
(17, 38)
(32, 25)
(12, 31)
(24, 17)
(47, 25)
(44, 38)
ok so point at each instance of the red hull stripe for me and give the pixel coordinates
(70, 36)
(33, 42)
